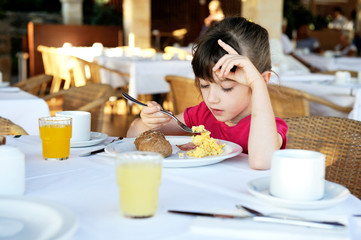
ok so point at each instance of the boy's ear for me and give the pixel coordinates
(266, 76)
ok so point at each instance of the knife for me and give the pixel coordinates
(92, 152)
(271, 219)
(99, 150)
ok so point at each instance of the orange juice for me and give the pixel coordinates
(55, 135)
(138, 188)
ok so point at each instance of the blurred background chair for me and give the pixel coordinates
(289, 102)
(83, 72)
(7, 127)
(57, 65)
(37, 85)
(338, 138)
(91, 98)
(184, 93)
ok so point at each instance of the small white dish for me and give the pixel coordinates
(4, 84)
(230, 150)
(334, 193)
(30, 218)
(95, 138)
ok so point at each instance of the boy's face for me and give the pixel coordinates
(228, 100)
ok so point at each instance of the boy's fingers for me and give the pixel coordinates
(226, 47)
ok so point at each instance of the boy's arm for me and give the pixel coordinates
(263, 137)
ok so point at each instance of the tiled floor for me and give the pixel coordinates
(117, 119)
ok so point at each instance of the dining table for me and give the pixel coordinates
(346, 94)
(146, 75)
(332, 63)
(22, 108)
(86, 187)
(146, 70)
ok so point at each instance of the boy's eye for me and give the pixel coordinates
(227, 89)
(204, 85)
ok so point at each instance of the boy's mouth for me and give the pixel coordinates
(216, 111)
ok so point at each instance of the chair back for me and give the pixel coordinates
(36, 85)
(57, 65)
(184, 93)
(91, 98)
(84, 71)
(7, 127)
(288, 102)
(338, 138)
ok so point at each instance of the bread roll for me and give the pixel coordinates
(153, 141)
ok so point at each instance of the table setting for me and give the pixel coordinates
(218, 197)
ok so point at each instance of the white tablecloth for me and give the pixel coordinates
(23, 109)
(146, 75)
(87, 186)
(333, 63)
(324, 86)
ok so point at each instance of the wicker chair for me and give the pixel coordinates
(289, 102)
(338, 138)
(7, 127)
(184, 93)
(57, 65)
(36, 85)
(91, 98)
(84, 72)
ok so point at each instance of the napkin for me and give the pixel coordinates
(249, 229)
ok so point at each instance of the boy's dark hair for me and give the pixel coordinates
(247, 38)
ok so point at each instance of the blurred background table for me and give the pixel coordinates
(332, 63)
(146, 75)
(22, 108)
(323, 85)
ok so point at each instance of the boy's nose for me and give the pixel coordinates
(213, 96)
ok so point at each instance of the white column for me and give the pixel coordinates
(358, 16)
(137, 20)
(266, 13)
(72, 11)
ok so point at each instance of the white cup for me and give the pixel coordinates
(81, 121)
(342, 77)
(297, 175)
(12, 171)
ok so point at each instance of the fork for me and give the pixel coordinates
(180, 124)
(283, 218)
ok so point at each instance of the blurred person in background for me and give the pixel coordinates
(305, 42)
(215, 15)
(339, 20)
(288, 48)
(346, 47)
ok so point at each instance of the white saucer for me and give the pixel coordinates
(31, 218)
(95, 138)
(4, 84)
(334, 193)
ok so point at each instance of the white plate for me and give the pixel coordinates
(4, 84)
(334, 193)
(230, 150)
(95, 138)
(30, 218)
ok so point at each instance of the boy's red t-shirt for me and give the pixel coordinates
(201, 115)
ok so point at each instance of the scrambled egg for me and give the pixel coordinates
(206, 145)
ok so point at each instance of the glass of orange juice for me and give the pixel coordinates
(55, 133)
(138, 177)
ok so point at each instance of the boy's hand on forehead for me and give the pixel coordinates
(236, 67)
